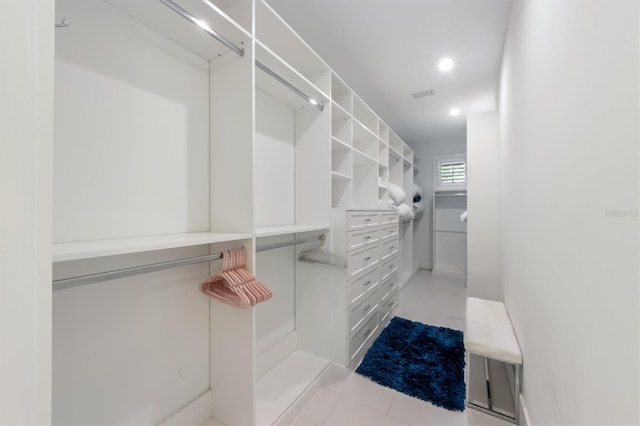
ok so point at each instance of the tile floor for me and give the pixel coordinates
(427, 298)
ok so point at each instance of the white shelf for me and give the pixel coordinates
(270, 231)
(269, 85)
(164, 20)
(63, 252)
(284, 383)
(340, 176)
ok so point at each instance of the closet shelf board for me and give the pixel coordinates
(156, 15)
(337, 144)
(339, 176)
(284, 383)
(269, 231)
(363, 160)
(90, 249)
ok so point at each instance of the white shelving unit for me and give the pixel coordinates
(171, 144)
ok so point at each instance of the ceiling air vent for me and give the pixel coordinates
(424, 94)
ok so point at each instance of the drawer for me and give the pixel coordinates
(388, 232)
(360, 260)
(388, 248)
(388, 218)
(389, 285)
(357, 239)
(387, 307)
(359, 220)
(388, 267)
(358, 340)
(358, 287)
(360, 312)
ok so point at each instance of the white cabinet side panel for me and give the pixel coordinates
(274, 165)
(131, 129)
(26, 141)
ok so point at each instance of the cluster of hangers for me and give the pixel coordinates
(234, 285)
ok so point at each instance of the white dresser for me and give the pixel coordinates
(368, 241)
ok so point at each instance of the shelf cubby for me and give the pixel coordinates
(341, 94)
(341, 128)
(341, 191)
(364, 115)
(340, 158)
(365, 181)
(365, 141)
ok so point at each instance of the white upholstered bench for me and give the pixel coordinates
(489, 334)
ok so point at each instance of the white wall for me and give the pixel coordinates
(426, 151)
(483, 203)
(568, 206)
(26, 120)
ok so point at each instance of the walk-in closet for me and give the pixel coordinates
(184, 130)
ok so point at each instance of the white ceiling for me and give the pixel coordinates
(386, 50)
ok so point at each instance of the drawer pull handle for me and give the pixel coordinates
(367, 258)
(390, 304)
(368, 332)
(368, 238)
(391, 248)
(391, 284)
(366, 308)
(367, 220)
(391, 266)
(367, 283)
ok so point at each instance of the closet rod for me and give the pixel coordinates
(189, 17)
(98, 277)
(288, 85)
(290, 243)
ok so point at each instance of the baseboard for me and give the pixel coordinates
(302, 400)
(452, 274)
(524, 413)
(194, 413)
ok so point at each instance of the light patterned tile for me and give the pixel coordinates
(212, 421)
(321, 405)
(365, 391)
(301, 421)
(352, 413)
(417, 412)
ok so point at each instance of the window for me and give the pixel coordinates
(453, 173)
(450, 172)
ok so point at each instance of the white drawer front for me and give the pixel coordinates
(360, 312)
(358, 287)
(358, 340)
(388, 248)
(387, 218)
(357, 239)
(359, 220)
(362, 259)
(389, 285)
(388, 267)
(386, 307)
(389, 232)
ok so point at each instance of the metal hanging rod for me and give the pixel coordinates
(189, 17)
(98, 277)
(288, 85)
(63, 23)
(290, 243)
(128, 272)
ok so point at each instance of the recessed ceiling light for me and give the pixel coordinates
(454, 111)
(445, 64)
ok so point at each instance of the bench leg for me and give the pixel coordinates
(516, 393)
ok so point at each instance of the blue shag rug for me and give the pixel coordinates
(419, 360)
